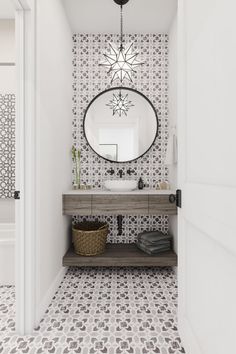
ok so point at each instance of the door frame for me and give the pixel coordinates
(25, 208)
(181, 114)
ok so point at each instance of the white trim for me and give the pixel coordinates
(183, 326)
(19, 206)
(21, 5)
(25, 165)
(49, 295)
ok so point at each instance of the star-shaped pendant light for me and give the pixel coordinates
(120, 104)
(121, 60)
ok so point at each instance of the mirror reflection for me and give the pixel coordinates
(120, 124)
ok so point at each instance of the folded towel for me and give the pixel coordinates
(155, 232)
(153, 236)
(155, 243)
(153, 251)
(156, 246)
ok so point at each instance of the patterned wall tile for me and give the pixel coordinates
(7, 145)
(152, 80)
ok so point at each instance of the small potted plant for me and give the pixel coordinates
(76, 160)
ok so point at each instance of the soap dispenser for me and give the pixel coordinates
(140, 183)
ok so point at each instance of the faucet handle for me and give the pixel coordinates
(111, 171)
(130, 172)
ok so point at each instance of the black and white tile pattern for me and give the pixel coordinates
(7, 145)
(152, 80)
(114, 310)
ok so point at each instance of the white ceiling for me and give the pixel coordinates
(102, 16)
(6, 9)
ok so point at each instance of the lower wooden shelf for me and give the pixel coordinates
(120, 255)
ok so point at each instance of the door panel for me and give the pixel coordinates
(207, 176)
(209, 313)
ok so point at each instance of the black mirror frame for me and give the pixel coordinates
(129, 89)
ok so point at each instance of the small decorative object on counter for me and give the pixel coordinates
(88, 187)
(163, 185)
(140, 183)
(154, 242)
(85, 187)
(89, 238)
(76, 160)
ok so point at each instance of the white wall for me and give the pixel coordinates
(54, 116)
(7, 206)
(173, 115)
(7, 256)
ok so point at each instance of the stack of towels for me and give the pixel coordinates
(154, 242)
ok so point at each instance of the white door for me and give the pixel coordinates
(207, 176)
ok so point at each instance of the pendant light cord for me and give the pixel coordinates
(121, 27)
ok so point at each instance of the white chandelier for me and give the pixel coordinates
(120, 104)
(121, 60)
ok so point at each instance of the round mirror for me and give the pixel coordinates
(120, 124)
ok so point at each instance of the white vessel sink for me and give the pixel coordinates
(121, 185)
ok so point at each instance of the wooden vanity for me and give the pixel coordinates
(145, 202)
(100, 202)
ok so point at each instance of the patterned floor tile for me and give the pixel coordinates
(102, 310)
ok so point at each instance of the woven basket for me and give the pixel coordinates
(89, 238)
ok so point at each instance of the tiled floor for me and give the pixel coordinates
(119, 310)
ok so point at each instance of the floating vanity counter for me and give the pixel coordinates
(101, 202)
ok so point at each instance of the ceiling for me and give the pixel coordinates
(102, 16)
(6, 9)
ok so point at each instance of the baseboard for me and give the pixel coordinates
(49, 295)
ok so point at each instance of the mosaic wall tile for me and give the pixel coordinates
(152, 80)
(104, 310)
(7, 145)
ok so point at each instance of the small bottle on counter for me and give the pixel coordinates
(140, 183)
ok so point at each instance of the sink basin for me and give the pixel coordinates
(121, 185)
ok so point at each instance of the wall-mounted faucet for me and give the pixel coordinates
(130, 172)
(111, 171)
(121, 173)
